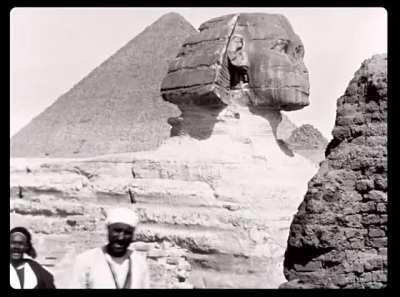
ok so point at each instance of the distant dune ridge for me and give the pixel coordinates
(117, 107)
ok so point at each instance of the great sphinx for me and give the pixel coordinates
(231, 80)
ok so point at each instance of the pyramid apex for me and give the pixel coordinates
(171, 17)
(171, 14)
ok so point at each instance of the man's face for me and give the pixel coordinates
(18, 246)
(120, 236)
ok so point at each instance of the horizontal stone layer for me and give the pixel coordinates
(230, 280)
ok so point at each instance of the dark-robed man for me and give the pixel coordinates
(26, 273)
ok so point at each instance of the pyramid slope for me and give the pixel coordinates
(117, 107)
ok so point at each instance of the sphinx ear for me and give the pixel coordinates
(131, 196)
(235, 52)
(103, 212)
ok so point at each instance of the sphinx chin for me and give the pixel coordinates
(292, 98)
(284, 98)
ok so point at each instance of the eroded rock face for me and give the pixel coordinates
(338, 238)
(255, 51)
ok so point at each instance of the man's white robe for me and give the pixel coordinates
(30, 279)
(91, 271)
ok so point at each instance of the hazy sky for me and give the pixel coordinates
(52, 49)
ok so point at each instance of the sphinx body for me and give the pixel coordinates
(231, 80)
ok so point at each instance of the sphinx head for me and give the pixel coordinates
(257, 53)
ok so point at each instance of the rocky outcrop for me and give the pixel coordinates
(308, 142)
(115, 108)
(338, 238)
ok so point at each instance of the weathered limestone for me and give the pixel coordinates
(62, 202)
(256, 184)
(338, 238)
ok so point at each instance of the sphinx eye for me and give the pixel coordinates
(299, 51)
(281, 45)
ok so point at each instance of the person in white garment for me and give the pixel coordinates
(25, 272)
(114, 265)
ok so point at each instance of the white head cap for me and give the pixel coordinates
(122, 215)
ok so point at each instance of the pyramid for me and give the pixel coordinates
(115, 108)
(309, 142)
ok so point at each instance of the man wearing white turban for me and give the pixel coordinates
(114, 265)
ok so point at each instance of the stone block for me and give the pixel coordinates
(366, 277)
(378, 242)
(369, 206)
(375, 232)
(374, 285)
(377, 196)
(375, 263)
(310, 266)
(358, 268)
(380, 183)
(371, 219)
(379, 276)
(364, 185)
(344, 279)
(382, 251)
(381, 207)
(353, 221)
(357, 244)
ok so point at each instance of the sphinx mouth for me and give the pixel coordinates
(303, 92)
(299, 89)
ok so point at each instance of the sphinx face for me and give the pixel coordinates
(276, 74)
(255, 52)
